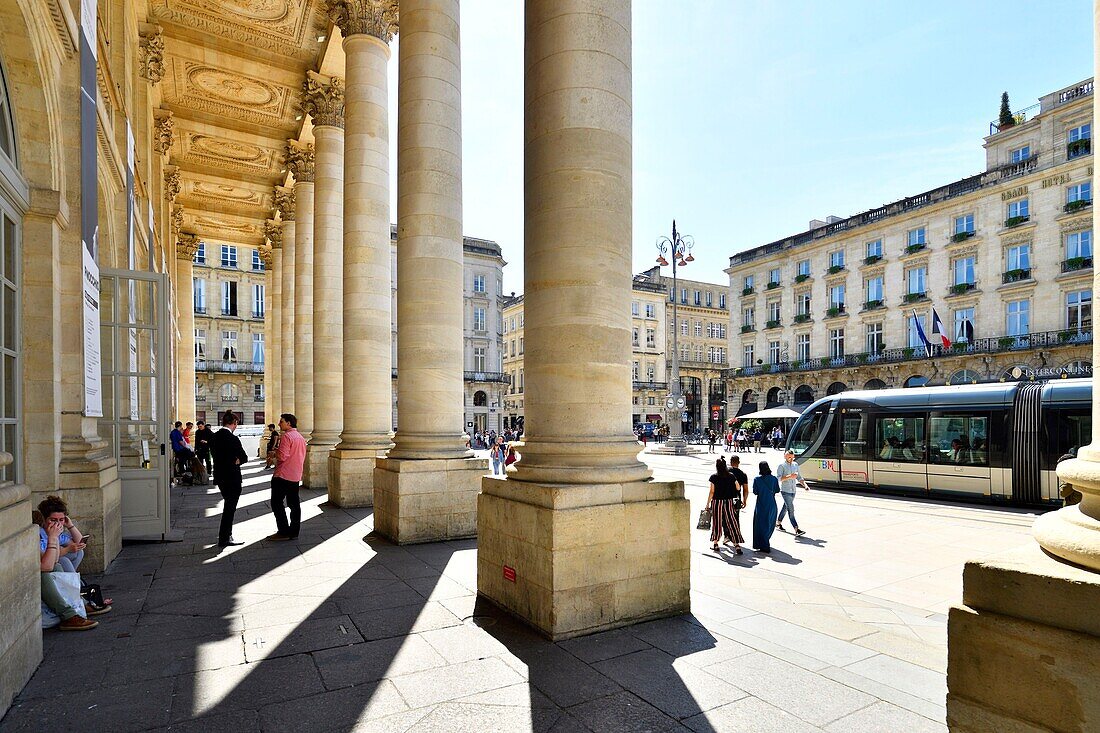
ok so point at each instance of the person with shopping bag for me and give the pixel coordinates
(61, 589)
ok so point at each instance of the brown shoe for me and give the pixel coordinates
(277, 538)
(76, 623)
(93, 610)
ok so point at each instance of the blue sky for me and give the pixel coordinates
(751, 118)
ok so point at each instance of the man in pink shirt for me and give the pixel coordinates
(290, 456)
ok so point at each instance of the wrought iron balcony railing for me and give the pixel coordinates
(233, 367)
(474, 376)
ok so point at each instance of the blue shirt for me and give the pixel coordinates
(64, 539)
(178, 443)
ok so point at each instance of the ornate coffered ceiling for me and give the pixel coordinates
(233, 75)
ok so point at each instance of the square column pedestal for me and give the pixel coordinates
(427, 500)
(351, 477)
(1024, 648)
(20, 597)
(577, 559)
(315, 470)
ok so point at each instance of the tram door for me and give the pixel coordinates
(855, 443)
(134, 350)
(958, 453)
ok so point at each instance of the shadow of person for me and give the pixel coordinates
(807, 540)
(779, 556)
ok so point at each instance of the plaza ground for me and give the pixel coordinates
(841, 630)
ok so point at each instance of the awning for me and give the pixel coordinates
(772, 413)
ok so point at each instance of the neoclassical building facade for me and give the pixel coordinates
(1004, 258)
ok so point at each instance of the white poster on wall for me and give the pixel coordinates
(93, 369)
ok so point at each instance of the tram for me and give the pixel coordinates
(979, 442)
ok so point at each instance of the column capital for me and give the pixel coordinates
(186, 246)
(376, 18)
(323, 99)
(299, 158)
(164, 128)
(171, 183)
(266, 256)
(177, 218)
(284, 202)
(151, 46)
(273, 233)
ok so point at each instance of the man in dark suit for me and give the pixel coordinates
(229, 456)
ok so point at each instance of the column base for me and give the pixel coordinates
(1024, 648)
(577, 559)
(427, 500)
(20, 597)
(351, 477)
(315, 471)
(88, 483)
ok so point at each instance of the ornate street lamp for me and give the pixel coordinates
(679, 247)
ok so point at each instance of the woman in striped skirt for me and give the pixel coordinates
(722, 503)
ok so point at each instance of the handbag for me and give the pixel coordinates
(704, 519)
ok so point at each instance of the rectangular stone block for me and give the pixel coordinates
(581, 569)
(351, 478)
(315, 470)
(21, 632)
(427, 500)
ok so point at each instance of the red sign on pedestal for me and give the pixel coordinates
(509, 574)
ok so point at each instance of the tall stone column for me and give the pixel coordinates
(594, 543)
(284, 203)
(186, 246)
(367, 26)
(427, 487)
(323, 99)
(300, 160)
(272, 322)
(1023, 648)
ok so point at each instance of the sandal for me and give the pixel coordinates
(93, 610)
(716, 548)
(738, 550)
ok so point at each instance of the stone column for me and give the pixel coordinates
(284, 202)
(427, 487)
(594, 543)
(185, 351)
(1023, 647)
(272, 321)
(323, 99)
(367, 27)
(300, 160)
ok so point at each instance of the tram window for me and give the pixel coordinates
(959, 439)
(806, 431)
(1074, 430)
(900, 439)
(854, 437)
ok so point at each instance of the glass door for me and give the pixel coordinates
(134, 332)
(855, 441)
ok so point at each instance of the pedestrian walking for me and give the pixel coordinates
(290, 458)
(722, 501)
(510, 456)
(272, 445)
(712, 438)
(757, 438)
(765, 486)
(229, 456)
(729, 440)
(789, 478)
(496, 453)
(741, 481)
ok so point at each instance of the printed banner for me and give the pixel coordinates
(89, 212)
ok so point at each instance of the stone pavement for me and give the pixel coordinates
(839, 631)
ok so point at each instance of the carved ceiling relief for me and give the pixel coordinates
(284, 202)
(323, 99)
(378, 18)
(152, 55)
(216, 91)
(299, 159)
(229, 154)
(164, 128)
(283, 26)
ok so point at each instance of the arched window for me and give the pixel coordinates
(964, 376)
(748, 396)
(11, 230)
(875, 384)
(804, 395)
(230, 393)
(773, 395)
(7, 125)
(836, 388)
(916, 381)
(480, 399)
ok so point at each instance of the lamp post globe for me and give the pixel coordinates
(678, 247)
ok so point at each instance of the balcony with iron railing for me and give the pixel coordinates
(991, 345)
(476, 376)
(231, 367)
(649, 385)
(1027, 114)
(1073, 264)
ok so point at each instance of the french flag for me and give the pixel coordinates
(939, 331)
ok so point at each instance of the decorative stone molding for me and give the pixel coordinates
(879, 271)
(186, 246)
(152, 55)
(323, 99)
(300, 161)
(171, 183)
(177, 218)
(164, 128)
(1079, 224)
(376, 18)
(284, 202)
(1017, 238)
(273, 233)
(265, 255)
(971, 251)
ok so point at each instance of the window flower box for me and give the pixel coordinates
(914, 248)
(1006, 342)
(802, 277)
(1076, 263)
(872, 259)
(773, 285)
(834, 311)
(747, 291)
(834, 269)
(871, 305)
(1077, 205)
(1015, 221)
(959, 346)
(747, 329)
(772, 324)
(960, 288)
(802, 318)
(914, 297)
(1016, 275)
(961, 236)
(1078, 147)
(908, 352)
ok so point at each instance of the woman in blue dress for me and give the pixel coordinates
(765, 486)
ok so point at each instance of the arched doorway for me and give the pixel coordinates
(964, 376)
(804, 395)
(875, 384)
(480, 399)
(773, 396)
(11, 229)
(836, 388)
(916, 380)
